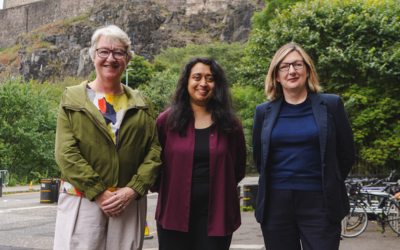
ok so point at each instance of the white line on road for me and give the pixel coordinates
(254, 247)
(23, 208)
(247, 247)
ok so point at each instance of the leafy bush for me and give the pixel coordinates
(27, 130)
(245, 100)
(141, 72)
(355, 47)
(160, 90)
(273, 7)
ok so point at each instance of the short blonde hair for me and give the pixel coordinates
(273, 88)
(116, 35)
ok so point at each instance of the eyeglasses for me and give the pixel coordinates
(118, 54)
(296, 65)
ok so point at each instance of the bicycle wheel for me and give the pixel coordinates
(355, 222)
(393, 215)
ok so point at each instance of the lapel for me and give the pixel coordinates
(270, 116)
(320, 112)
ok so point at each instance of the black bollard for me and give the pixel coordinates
(1, 187)
(249, 197)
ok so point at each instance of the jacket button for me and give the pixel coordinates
(212, 147)
(212, 134)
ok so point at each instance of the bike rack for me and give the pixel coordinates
(5, 176)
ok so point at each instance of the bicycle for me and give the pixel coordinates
(386, 212)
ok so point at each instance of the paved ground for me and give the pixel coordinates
(25, 224)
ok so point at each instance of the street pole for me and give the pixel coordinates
(126, 82)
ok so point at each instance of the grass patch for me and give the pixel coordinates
(249, 209)
(9, 54)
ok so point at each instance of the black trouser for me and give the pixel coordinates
(294, 215)
(196, 238)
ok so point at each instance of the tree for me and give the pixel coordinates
(27, 131)
(141, 72)
(273, 7)
(355, 47)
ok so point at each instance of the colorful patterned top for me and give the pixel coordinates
(112, 107)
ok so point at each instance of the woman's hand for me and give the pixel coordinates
(100, 198)
(120, 200)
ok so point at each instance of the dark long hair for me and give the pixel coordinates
(220, 104)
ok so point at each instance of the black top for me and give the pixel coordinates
(201, 158)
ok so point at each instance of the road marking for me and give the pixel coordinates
(254, 247)
(247, 247)
(22, 208)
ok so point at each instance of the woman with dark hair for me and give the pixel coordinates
(204, 158)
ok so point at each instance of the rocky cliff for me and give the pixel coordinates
(63, 47)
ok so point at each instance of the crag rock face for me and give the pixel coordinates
(150, 26)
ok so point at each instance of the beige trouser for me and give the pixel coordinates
(82, 225)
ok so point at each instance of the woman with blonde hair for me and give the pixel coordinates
(303, 149)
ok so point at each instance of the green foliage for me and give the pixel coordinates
(160, 90)
(27, 130)
(245, 100)
(273, 7)
(227, 55)
(141, 72)
(355, 47)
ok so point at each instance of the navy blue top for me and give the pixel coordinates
(295, 153)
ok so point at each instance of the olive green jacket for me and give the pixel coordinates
(87, 155)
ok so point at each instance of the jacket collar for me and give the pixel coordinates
(76, 96)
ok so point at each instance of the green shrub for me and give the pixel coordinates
(27, 130)
(245, 100)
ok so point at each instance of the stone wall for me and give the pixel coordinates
(14, 3)
(33, 14)
(28, 17)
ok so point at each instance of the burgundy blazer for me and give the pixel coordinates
(227, 169)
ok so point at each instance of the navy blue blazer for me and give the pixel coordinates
(336, 148)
